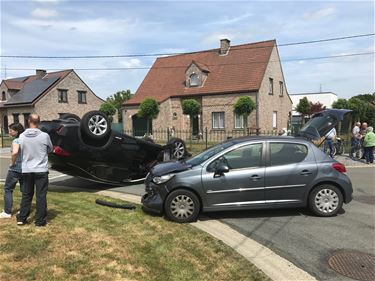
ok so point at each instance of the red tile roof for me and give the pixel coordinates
(242, 69)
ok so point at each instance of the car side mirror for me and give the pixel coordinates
(220, 170)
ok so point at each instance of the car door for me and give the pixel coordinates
(243, 184)
(291, 166)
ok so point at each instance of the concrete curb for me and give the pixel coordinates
(274, 266)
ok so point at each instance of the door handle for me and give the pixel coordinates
(255, 177)
(305, 173)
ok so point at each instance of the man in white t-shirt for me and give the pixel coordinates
(330, 137)
(356, 139)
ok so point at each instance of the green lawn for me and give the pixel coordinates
(86, 241)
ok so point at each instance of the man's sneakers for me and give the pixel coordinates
(21, 223)
(4, 215)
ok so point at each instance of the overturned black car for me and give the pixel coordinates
(88, 148)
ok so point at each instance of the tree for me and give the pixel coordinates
(341, 104)
(192, 108)
(303, 107)
(108, 109)
(315, 108)
(118, 99)
(148, 109)
(243, 107)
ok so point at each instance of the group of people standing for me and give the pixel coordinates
(363, 137)
(29, 167)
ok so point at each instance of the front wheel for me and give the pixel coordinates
(182, 206)
(325, 200)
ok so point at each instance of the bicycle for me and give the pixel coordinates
(338, 147)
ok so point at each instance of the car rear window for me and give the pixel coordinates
(287, 153)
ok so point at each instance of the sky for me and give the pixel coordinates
(101, 28)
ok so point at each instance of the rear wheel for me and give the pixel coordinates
(178, 148)
(182, 206)
(95, 125)
(325, 200)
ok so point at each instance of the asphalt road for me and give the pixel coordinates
(296, 235)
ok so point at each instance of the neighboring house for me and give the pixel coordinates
(48, 94)
(216, 79)
(325, 98)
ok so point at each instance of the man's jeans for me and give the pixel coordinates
(328, 144)
(10, 183)
(356, 146)
(40, 180)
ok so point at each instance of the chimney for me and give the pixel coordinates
(40, 73)
(224, 46)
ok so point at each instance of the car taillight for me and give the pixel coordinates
(61, 152)
(339, 167)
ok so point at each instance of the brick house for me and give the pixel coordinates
(216, 79)
(48, 94)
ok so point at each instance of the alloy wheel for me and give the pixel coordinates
(98, 125)
(178, 150)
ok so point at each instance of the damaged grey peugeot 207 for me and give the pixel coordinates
(253, 173)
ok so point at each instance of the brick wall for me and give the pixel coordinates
(270, 103)
(49, 108)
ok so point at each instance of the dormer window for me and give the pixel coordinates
(194, 80)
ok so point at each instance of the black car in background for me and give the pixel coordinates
(88, 148)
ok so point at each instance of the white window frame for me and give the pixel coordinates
(220, 123)
(274, 119)
(194, 80)
(241, 119)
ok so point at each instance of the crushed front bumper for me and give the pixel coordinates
(152, 203)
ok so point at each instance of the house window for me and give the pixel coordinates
(16, 118)
(238, 121)
(3, 96)
(82, 97)
(274, 119)
(63, 96)
(270, 90)
(194, 80)
(218, 120)
(26, 120)
(281, 84)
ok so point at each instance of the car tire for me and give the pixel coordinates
(325, 200)
(95, 125)
(178, 148)
(182, 206)
(70, 117)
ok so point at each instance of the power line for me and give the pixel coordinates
(171, 54)
(184, 66)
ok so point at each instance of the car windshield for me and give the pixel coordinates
(203, 156)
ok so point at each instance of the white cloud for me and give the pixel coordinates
(215, 38)
(130, 63)
(320, 13)
(48, 1)
(44, 13)
(98, 25)
(232, 20)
